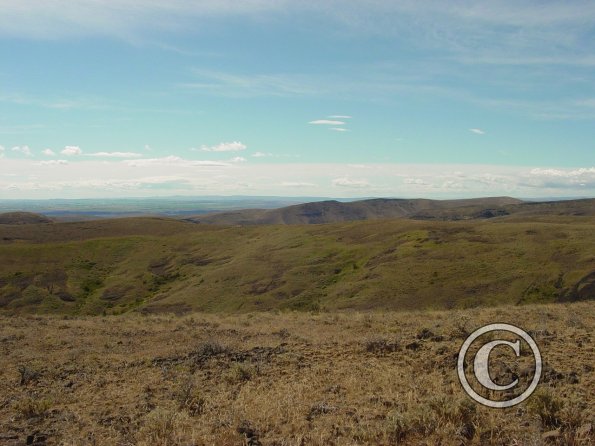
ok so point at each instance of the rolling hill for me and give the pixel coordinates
(167, 265)
(22, 218)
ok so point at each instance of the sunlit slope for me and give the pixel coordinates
(165, 265)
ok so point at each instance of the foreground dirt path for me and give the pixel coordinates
(285, 379)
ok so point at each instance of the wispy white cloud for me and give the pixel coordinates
(350, 183)
(417, 181)
(25, 150)
(567, 173)
(234, 146)
(466, 36)
(238, 159)
(562, 178)
(20, 128)
(2, 150)
(116, 154)
(240, 85)
(17, 98)
(379, 82)
(587, 103)
(53, 163)
(578, 60)
(127, 18)
(71, 151)
(173, 160)
(261, 154)
(297, 184)
(48, 152)
(542, 109)
(339, 129)
(339, 117)
(326, 122)
(477, 131)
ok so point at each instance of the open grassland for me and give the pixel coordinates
(289, 378)
(157, 265)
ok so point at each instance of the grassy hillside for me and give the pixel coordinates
(158, 265)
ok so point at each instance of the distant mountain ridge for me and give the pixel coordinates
(332, 211)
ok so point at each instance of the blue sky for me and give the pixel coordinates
(274, 97)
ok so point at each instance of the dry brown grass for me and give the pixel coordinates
(284, 379)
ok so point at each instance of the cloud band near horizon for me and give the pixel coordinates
(177, 176)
